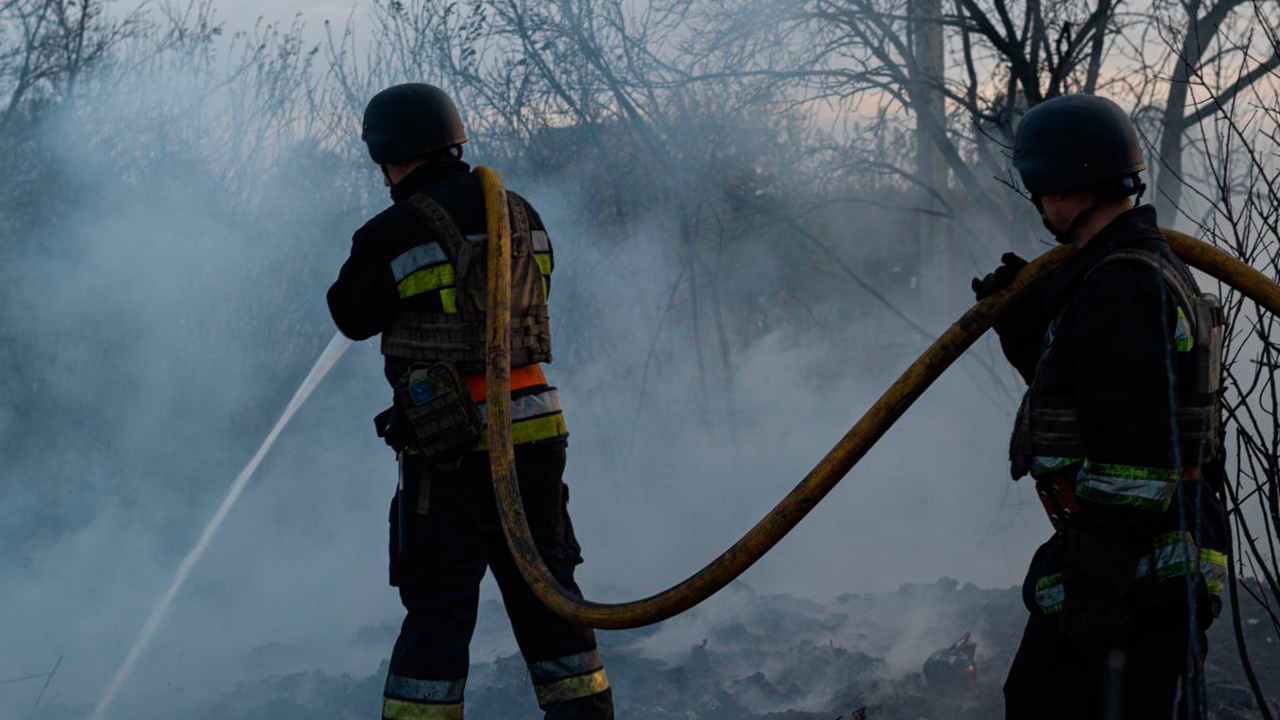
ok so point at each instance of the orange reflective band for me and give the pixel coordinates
(521, 377)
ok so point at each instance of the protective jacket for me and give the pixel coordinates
(412, 276)
(1115, 331)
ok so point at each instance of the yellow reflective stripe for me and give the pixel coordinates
(1182, 334)
(449, 299)
(1131, 472)
(1176, 554)
(572, 688)
(527, 431)
(544, 262)
(393, 709)
(1128, 485)
(426, 280)
(542, 428)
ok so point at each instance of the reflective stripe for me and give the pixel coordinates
(1213, 565)
(1050, 593)
(1171, 556)
(572, 688)
(1167, 560)
(527, 431)
(1142, 487)
(544, 262)
(1182, 335)
(1041, 464)
(449, 300)
(393, 709)
(529, 406)
(543, 428)
(435, 691)
(544, 671)
(540, 241)
(416, 259)
(478, 237)
(426, 280)
(533, 418)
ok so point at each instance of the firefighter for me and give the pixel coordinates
(1120, 430)
(416, 275)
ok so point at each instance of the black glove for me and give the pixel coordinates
(999, 278)
(1022, 329)
(1098, 571)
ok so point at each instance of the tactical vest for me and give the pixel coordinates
(1047, 433)
(457, 335)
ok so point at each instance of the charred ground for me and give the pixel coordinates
(748, 657)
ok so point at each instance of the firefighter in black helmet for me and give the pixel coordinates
(1120, 431)
(410, 279)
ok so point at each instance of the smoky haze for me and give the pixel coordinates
(168, 243)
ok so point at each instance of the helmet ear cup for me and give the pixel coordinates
(409, 120)
(1074, 142)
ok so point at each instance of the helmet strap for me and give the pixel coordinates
(1064, 237)
(1131, 185)
(1068, 236)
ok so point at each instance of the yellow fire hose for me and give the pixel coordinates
(824, 476)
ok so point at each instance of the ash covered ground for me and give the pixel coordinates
(744, 656)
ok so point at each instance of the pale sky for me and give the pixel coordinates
(241, 14)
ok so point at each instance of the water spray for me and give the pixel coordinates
(332, 352)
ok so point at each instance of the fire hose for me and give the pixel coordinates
(825, 475)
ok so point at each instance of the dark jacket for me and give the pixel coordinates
(364, 298)
(1113, 352)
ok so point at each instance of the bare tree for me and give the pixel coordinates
(1200, 36)
(1241, 201)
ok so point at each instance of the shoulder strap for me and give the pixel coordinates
(521, 243)
(1176, 277)
(442, 228)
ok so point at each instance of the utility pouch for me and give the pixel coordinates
(1200, 393)
(443, 420)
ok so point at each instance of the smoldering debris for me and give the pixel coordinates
(953, 669)
(757, 657)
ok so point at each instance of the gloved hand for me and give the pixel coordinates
(999, 278)
(1022, 329)
(1098, 571)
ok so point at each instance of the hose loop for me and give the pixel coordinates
(821, 479)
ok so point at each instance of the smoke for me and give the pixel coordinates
(168, 308)
(332, 353)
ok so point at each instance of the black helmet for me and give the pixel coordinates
(1077, 141)
(408, 120)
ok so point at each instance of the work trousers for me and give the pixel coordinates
(445, 533)
(1150, 673)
